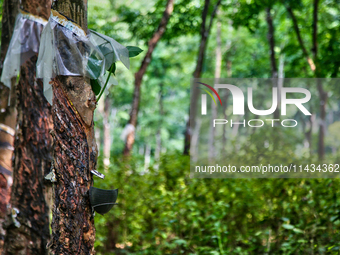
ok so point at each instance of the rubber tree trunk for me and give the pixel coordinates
(7, 116)
(74, 152)
(130, 139)
(28, 225)
(205, 31)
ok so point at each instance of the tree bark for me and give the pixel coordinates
(7, 116)
(27, 228)
(205, 31)
(74, 152)
(130, 139)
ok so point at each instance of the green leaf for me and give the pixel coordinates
(296, 230)
(94, 66)
(133, 51)
(95, 86)
(287, 226)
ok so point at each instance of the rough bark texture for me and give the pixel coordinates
(130, 139)
(74, 153)
(205, 31)
(27, 226)
(32, 162)
(7, 116)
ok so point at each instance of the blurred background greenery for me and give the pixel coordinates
(161, 210)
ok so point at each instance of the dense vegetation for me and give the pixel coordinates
(161, 209)
(166, 212)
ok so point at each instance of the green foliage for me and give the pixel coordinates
(133, 51)
(166, 212)
(161, 210)
(95, 85)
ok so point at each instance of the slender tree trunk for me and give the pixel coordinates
(301, 43)
(158, 135)
(107, 136)
(28, 226)
(314, 66)
(205, 31)
(74, 152)
(7, 116)
(271, 41)
(130, 139)
(322, 93)
(218, 54)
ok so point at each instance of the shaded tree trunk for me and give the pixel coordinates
(27, 227)
(322, 93)
(159, 131)
(107, 136)
(74, 152)
(271, 41)
(314, 66)
(205, 31)
(130, 139)
(301, 43)
(7, 116)
(218, 65)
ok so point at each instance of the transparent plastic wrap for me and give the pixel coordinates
(24, 44)
(67, 50)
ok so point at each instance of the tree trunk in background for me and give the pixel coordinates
(218, 65)
(322, 93)
(159, 131)
(28, 226)
(315, 67)
(205, 31)
(130, 139)
(271, 41)
(106, 126)
(7, 116)
(74, 152)
(301, 43)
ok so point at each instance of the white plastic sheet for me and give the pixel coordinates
(24, 44)
(67, 50)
